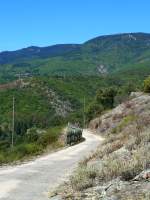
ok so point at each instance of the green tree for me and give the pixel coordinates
(106, 97)
(93, 110)
(147, 85)
(103, 100)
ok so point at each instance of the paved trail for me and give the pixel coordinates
(33, 180)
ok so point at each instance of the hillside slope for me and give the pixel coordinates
(43, 106)
(120, 168)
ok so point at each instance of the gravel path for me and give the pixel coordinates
(33, 180)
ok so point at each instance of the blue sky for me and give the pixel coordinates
(45, 22)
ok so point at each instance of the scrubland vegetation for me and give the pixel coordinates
(124, 157)
(33, 143)
(121, 164)
(44, 103)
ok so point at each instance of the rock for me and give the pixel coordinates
(135, 94)
(123, 153)
(58, 197)
(94, 124)
(137, 106)
(117, 189)
(145, 175)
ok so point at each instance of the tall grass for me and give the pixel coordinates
(122, 155)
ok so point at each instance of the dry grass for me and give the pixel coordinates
(124, 154)
(113, 166)
(127, 169)
(134, 142)
(83, 178)
(107, 149)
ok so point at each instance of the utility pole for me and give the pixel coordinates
(13, 123)
(19, 80)
(84, 119)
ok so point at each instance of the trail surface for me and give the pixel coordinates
(33, 180)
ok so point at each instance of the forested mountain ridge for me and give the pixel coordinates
(36, 52)
(101, 55)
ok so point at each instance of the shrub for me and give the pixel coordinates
(106, 97)
(94, 110)
(4, 144)
(32, 134)
(2, 159)
(147, 85)
(83, 178)
(50, 137)
(26, 149)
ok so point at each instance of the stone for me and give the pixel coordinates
(57, 197)
(145, 175)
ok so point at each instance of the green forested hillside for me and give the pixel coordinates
(44, 104)
(42, 107)
(56, 82)
(102, 55)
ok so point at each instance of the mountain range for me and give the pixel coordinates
(101, 55)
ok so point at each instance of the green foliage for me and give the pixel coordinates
(104, 99)
(34, 111)
(147, 85)
(23, 150)
(74, 75)
(74, 135)
(51, 136)
(116, 53)
(2, 158)
(33, 143)
(94, 110)
(32, 134)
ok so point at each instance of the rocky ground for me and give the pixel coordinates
(120, 168)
